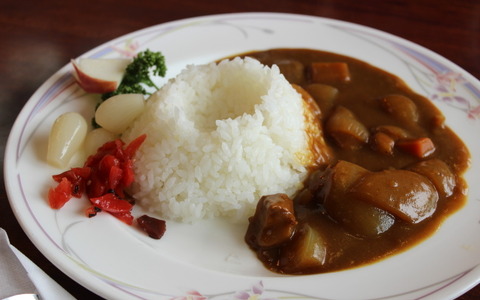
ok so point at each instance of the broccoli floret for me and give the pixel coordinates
(138, 73)
(139, 70)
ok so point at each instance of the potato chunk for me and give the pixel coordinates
(405, 194)
(401, 108)
(346, 129)
(324, 95)
(307, 250)
(358, 217)
(439, 174)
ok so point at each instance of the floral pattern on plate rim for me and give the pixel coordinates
(439, 81)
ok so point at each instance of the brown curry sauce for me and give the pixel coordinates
(360, 92)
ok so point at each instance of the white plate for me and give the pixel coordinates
(119, 262)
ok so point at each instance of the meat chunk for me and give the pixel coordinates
(385, 137)
(382, 143)
(273, 223)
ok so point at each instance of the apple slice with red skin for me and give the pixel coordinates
(99, 75)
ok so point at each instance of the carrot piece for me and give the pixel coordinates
(421, 147)
(329, 72)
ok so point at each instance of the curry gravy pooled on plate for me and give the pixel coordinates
(394, 174)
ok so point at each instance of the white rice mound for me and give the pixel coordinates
(219, 136)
